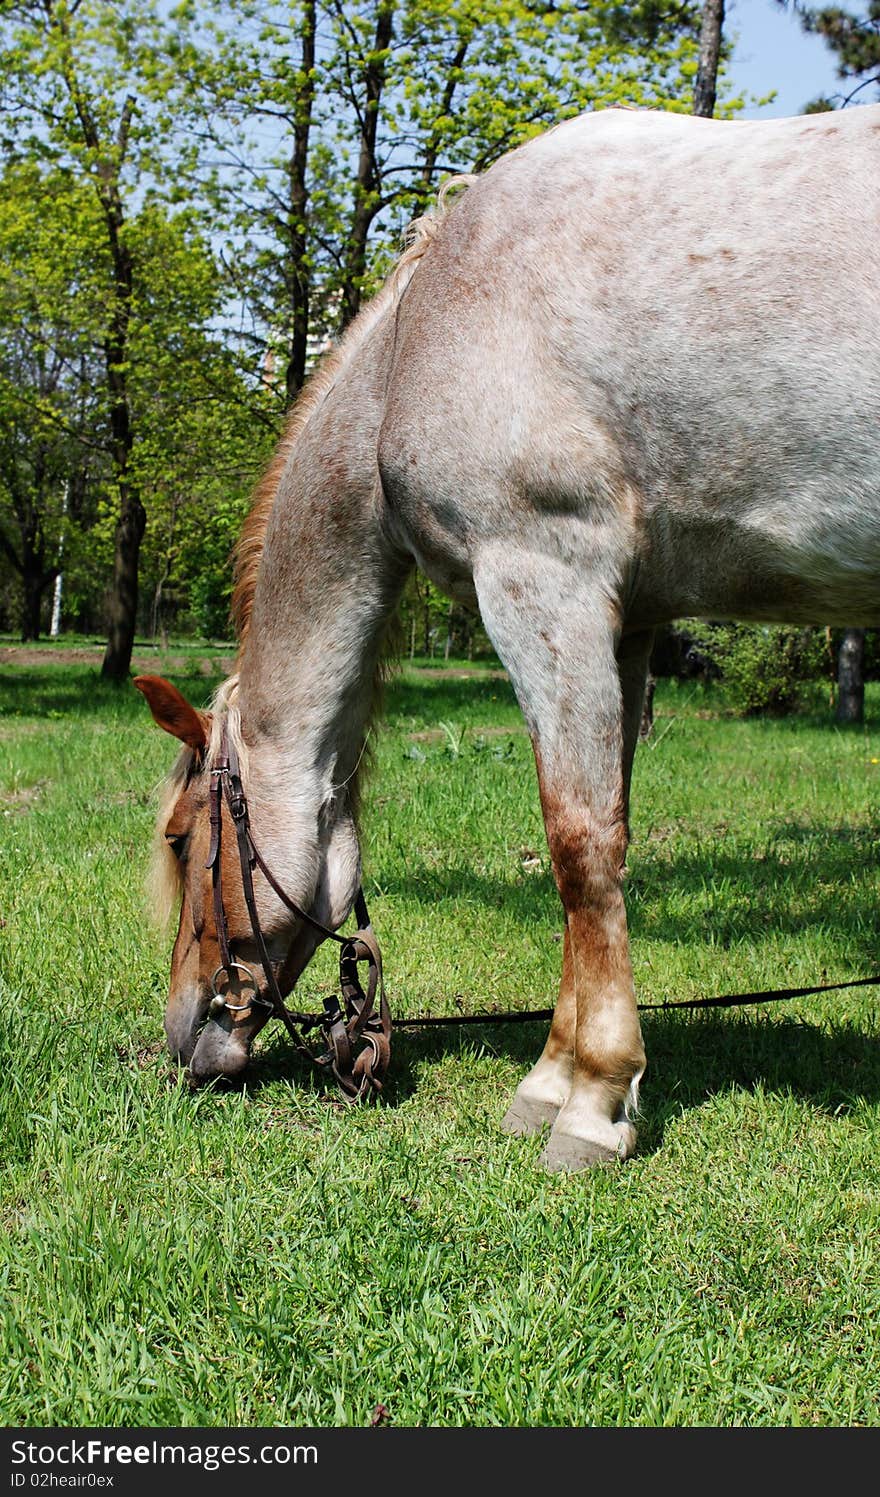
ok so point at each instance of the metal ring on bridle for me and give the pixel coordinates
(234, 1008)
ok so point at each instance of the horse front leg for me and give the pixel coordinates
(556, 633)
(540, 1095)
(587, 836)
(544, 1091)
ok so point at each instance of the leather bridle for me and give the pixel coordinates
(358, 1035)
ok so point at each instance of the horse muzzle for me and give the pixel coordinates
(185, 1016)
(221, 1049)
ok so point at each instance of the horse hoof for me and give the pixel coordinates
(565, 1151)
(527, 1115)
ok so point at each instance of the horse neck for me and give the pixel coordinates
(328, 581)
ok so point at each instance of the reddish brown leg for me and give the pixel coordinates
(546, 1088)
(580, 688)
(588, 854)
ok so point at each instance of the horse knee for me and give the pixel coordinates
(588, 854)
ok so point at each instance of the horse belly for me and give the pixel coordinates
(767, 508)
(758, 572)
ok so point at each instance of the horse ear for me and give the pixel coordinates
(173, 712)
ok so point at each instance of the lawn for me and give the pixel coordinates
(263, 1255)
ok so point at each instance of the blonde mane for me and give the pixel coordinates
(164, 874)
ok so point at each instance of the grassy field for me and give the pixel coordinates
(264, 1256)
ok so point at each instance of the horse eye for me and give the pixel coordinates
(176, 842)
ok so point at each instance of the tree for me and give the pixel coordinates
(851, 677)
(195, 455)
(82, 96)
(199, 450)
(324, 126)
(711, 35)
(71, 80)
(51, 423)
(855, 39)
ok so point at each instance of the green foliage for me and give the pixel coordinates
(200, 445)
(456, 84)
(855, 37)
(430, 625)
(196, 452)
(53, 429)
(770, 668)
(204, 563)
(78, 90)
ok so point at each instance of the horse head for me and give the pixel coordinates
(247, 927)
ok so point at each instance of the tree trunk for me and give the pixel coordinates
(710, 50)
(298, 269)
(367, 181)
(851, 677)
(109, 157)
(55, 624)
(122, 603)
(28, 506)
(33, 585)
(449, 622)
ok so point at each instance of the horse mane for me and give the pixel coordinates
(249, 549)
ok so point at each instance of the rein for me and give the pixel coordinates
(360, 1023)
(359, 1073)
(725, 1000)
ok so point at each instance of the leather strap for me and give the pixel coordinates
(358, 1072)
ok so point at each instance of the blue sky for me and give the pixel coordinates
(773, 51)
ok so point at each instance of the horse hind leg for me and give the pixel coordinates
(554, 628)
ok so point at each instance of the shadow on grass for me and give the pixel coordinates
(779, 892)
(691, 1057)
(433, 699)
(74, 688)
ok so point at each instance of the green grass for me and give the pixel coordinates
(264, 1255)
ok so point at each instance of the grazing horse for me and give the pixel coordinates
(629, 374)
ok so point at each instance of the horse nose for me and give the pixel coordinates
(184, 1017)
(220, 1051)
